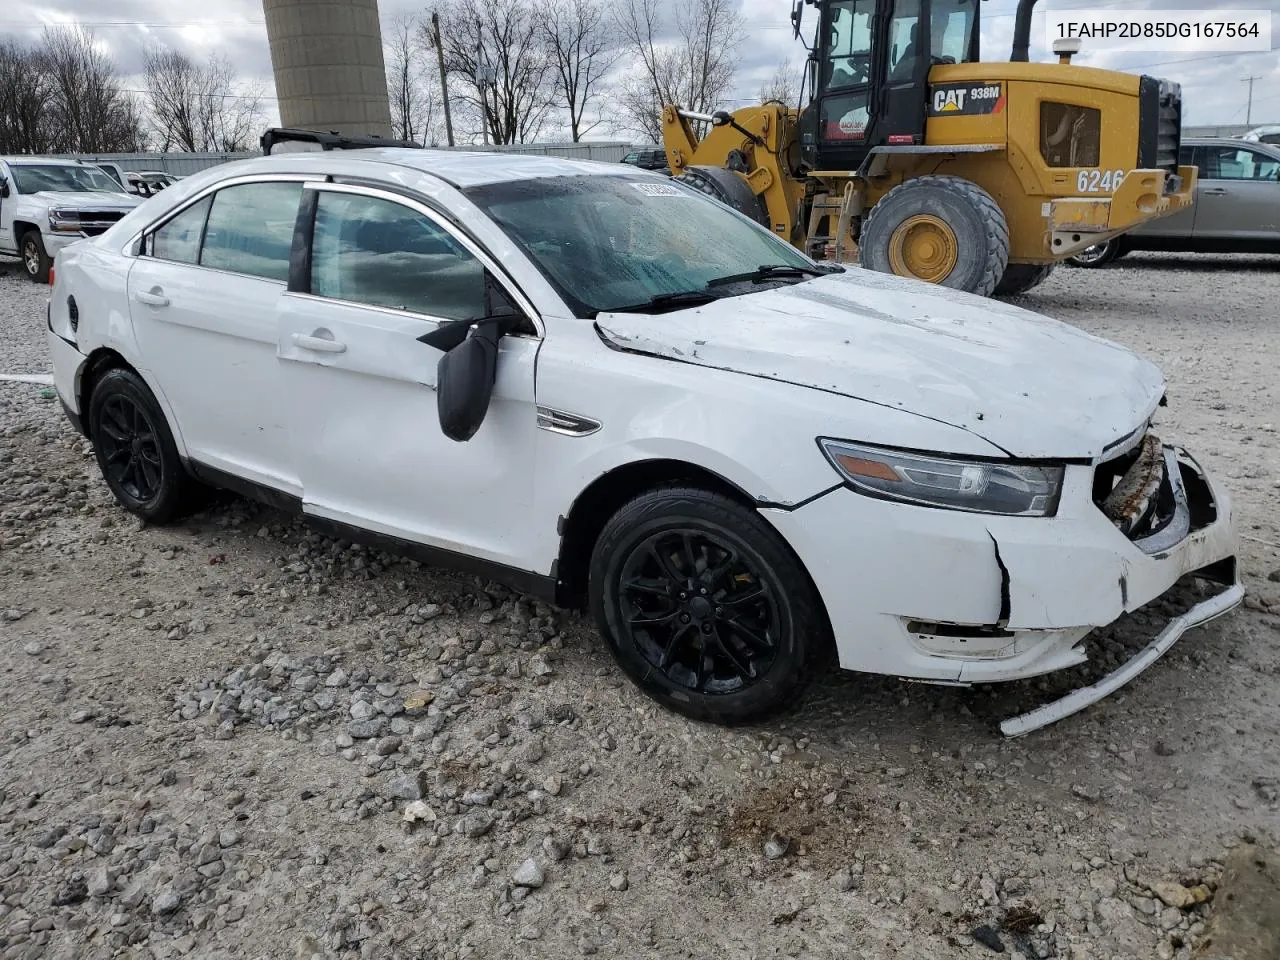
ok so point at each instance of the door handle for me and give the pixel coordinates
(1215, 192)
(153, 298)
(319, 344)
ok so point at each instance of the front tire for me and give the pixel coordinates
(1021, 277)
(939, 229)
(135, 449)
(705, 607)
(35, 260)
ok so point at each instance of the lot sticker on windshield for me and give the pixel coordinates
(659, 190)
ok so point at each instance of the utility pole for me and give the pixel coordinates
(485, 78)
(1248, 113)
(444, 79)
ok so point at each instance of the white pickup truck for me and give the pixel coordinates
(46, 204)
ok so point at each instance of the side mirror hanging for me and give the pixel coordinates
(466, 373)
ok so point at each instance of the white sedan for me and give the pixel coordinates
(606, 390)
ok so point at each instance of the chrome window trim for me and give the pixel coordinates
(191, 201)
(477, 251)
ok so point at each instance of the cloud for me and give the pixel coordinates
(1213, 87)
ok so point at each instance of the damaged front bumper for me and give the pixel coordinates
(961, 598)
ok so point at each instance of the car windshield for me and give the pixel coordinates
(61, 178)
(613, 242)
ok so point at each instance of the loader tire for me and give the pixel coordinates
(1021, 277)
(944, 230)
(727, 187)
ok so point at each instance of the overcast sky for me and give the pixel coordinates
(1214, 90)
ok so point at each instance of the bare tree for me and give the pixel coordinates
(583, 45)
(24, 95)
(495, 48)
(412, 85)
(687, 60)
(87, 108)
(783, 86)
(198, 107)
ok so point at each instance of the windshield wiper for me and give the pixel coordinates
(769, 271)
(664, 301)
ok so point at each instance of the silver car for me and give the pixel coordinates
(1237, 206)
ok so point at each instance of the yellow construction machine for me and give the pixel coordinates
(914, 157)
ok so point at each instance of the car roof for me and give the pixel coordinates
(46, 162)
(460, 168)
(1268, 148)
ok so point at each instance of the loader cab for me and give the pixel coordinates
(869, 72)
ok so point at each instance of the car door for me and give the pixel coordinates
(7, 240)
(383, 271)
(1239, 194)
(203, 297)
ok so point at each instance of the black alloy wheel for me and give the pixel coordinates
(135, 449)
(696, 610)
(705, 607)
(130, 448)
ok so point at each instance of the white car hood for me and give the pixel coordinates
(1030, 385)
(93, 200)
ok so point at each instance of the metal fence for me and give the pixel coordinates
(179, 164)
(183, 164)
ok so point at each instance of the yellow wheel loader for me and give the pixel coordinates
(914, 157)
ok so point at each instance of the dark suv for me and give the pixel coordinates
(648, 160)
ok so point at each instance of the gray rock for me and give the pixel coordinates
(555, 848)
(74, 891)
(619, 882)
(842, 880)
(32, 649)
(776, 847)
(366, 729)
(1088, 794)
(228, 838)
(413, 786)
(528, 874)
(476, 824)
(100, 882)
(336, 679)
(387, 746)
(477, 798)
(363, 710)
(166, 902)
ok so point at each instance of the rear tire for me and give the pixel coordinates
(1099, 255)
(705, 607)
(135, 449)
(977, 250)
(35, 260)
(1021, 277)
(712, 182)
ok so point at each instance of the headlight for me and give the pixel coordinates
(978, 486)
(64, 220)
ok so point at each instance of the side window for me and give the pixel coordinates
(250, 229)
(1186, 156)
(375, 251)
(179, 239)
(1238, 163)
(845, 117)
(904, 41)
(849, 62)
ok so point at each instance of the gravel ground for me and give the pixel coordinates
(236, 738)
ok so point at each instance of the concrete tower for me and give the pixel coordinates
(327, 59)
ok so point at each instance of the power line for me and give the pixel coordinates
(94, 24)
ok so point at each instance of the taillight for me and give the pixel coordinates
(51, 275)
